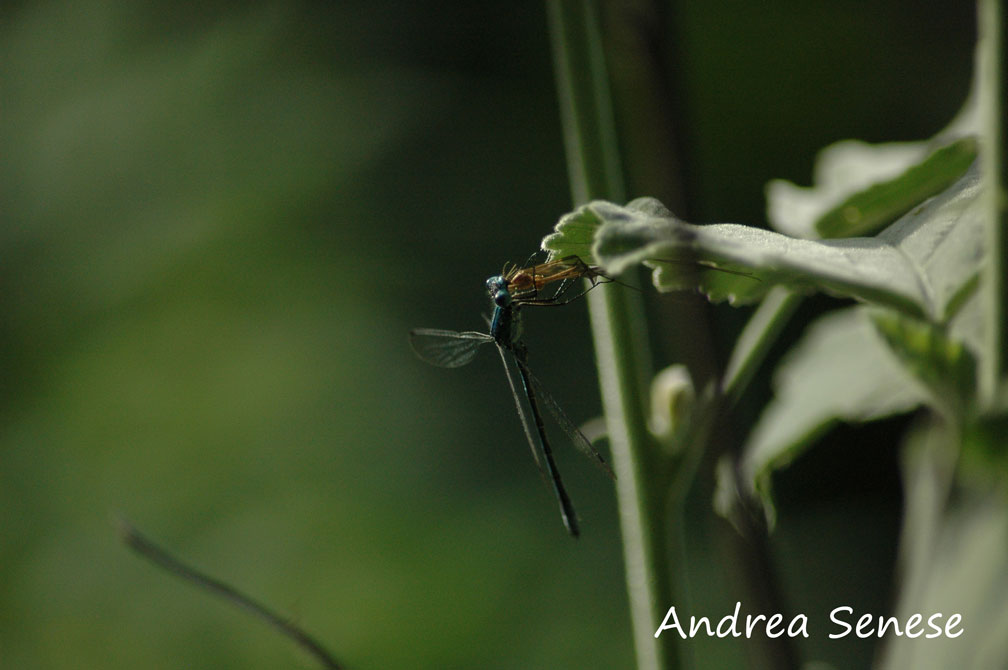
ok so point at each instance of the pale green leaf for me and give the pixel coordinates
(859, 188)
(943, 364)
(861, 364)
(923, 265)
(841, 370)
(954, 560)
(574, 236)
(869, 211)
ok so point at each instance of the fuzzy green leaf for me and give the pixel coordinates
(859, 188)
(841, 370)
(858, 365)
(921, 265)
(574, 236)
(954, 558)
(943, 364)
(871, 210)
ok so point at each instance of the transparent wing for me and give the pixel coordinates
(569, 427)
(447, 348)
(531, 431)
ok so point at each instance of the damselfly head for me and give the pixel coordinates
(498, 289)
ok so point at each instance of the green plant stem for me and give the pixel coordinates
(593, 162)
(640, 494)
(618, 330)
(757, 337)
(993, 64)
(145, 547)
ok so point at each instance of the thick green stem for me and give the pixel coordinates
(640, 494)
(993, 64)
(618, 329)
(593, 163)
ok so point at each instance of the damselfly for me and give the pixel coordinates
(450, 349)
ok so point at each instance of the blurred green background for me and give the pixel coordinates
(219, 221)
